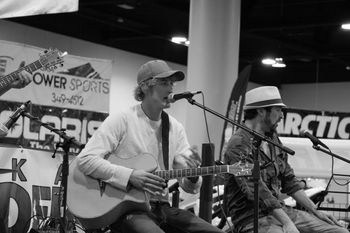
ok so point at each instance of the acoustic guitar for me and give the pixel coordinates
(97, 204)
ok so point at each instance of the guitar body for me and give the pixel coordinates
(96, 208)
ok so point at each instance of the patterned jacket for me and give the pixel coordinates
(277, 178)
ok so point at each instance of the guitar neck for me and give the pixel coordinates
(6, 80)
(188, 172)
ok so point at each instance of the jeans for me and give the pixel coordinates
(304, 222)
(163, 218)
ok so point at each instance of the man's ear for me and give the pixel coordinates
(145, 88)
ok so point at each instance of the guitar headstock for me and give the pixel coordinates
(241, 169)
(51, 58)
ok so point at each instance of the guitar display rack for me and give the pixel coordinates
(317, 147)
(65, 145)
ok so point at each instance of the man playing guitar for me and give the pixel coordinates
(139, 133)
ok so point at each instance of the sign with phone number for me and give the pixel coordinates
(82, 83)
(64, 99)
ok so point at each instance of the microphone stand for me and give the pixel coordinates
(256, 142)
(258, 138)
(317, 147)
(65, 145)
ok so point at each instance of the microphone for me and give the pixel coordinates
(184, 95)
(314, 139)
(4, 128)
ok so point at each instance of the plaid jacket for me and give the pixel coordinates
(277, 178)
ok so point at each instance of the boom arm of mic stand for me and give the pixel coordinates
(317, 147)
(252, 132)
(61, 133)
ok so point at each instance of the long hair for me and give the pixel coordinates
(139, 92)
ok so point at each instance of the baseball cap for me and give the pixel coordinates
(158, 69)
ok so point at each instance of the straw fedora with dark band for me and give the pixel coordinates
(262, 97)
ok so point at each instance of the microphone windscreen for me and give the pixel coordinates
(3, 130)
(303, 132)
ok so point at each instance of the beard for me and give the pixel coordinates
(270, 127)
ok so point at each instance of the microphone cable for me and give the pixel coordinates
(205, 118)
(332, 176)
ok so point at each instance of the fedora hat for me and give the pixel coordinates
(262, 97)
(158, 69)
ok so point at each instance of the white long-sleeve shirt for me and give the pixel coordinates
(127, 135)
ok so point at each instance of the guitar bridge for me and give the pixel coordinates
(102, 186)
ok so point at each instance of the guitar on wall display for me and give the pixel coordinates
(97, 204)
(47, 61)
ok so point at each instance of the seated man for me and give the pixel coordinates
(262, 112)
(140, 132)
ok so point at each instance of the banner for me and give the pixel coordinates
(322, 124)
(30, 134)
(17, 8)
(75, 97)
(30, 186)
(235, 106)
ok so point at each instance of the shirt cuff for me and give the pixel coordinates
(120, 178)
(294, 189)
(270, 204)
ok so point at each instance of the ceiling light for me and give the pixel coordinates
(179, 39)
(126, 6)
(279, 63)
(345, 26)
(268, 61)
